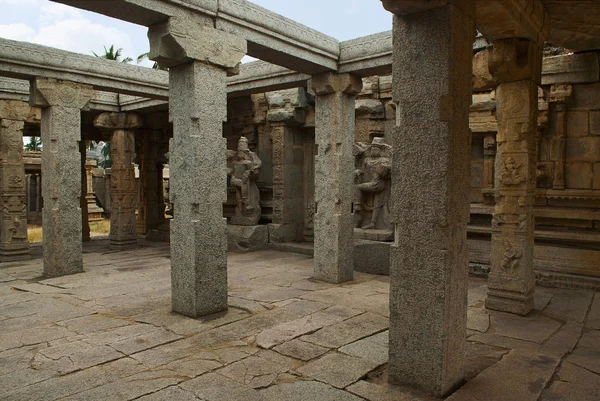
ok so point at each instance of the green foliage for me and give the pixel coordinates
(34, 144)
(155, 66)
(112, 54)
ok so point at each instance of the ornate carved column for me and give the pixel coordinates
(13, 227)
(431, 146)
(516, 65)
(198, 57)
(61, 104)
(559, 95)
(123, 194)
(334, 168)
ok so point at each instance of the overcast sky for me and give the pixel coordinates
(56, 25)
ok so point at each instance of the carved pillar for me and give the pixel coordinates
(94, 211)
(85, 223)
(198, 58)
(516, 65)
(431, 145)
(559, 94)
(334, 167)
(13, 224)
(123, 194)
(61, 104)
(38, 193)
(150, 183)
(489, 158)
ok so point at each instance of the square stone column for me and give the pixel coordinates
(148, 217)
(123, 195)
(432, 75)
(516, 64)
(61, 103)
(13, 224)
(334, 168)
(198, 58)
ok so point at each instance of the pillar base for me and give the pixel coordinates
(511, 302)
(122, 245)
(14, 256)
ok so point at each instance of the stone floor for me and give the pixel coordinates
(108, 334)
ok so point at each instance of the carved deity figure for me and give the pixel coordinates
(512, 256)
(244, 168)
(510, 173)
(372, 179)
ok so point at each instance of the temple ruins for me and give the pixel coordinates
(413, 214)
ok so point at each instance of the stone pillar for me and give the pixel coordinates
(198, 58)
(123, 195)
(61, 104)
(148, 217)
(85, 223)
(94, 211)
(432, 74)
(38, 193)
(334, 168)
(13, 224)
(516, 65)
(559, 94)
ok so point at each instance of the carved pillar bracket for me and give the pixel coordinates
(558, 98)
(334, 167)
(199, 58)
(61, 103)
(431, 149)
(123, 195)
(515, 65)
(13, 224)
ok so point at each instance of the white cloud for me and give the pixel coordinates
(21, 32)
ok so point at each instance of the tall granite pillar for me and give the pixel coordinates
(432, 73)
(559, 95)
(85, 223)
(516, 65)
(61, 103)
(123, 195)
(198, 58)
(148, 217)
(13, 224)
(334, 168)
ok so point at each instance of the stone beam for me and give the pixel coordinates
(28, 61)
(367, 56)
(503, 19)
(260, 77)
(270, 36)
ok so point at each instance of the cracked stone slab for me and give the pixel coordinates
(478, 319)
(306, 390)
(376, 392)
(301, 350)
(593, 319)
(348, 331)
(527, 371)
(93, 323)
(41, 334)
(587, 352)
(338, 370)
(174, 393)
(535, 329)
(271, 294)
(373, 348)
(569, 305)
(308, 324)
(215, 387)
(573, 383)
(259, 370)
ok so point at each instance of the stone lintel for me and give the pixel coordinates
(515, 59)
(180, 40)
(329, 82)
(16, 110)
(52, 92)
(115, 121)
(406, 7)
(505, 19)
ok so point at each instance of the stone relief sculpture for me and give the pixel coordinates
(244, 168)
(372, 179)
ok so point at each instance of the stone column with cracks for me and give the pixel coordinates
(198, 57)
(432, 78)
(13, 224)
(61, 103)
(516, 65)
(123, 195)
(334, 167)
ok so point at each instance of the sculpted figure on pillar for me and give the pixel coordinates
(244, 168)
(372, 183)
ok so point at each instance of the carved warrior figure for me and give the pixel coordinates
(244, 168)
(510, 173)
(372, 183)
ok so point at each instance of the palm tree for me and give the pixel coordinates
(35, 144)
(155, 66)
(112, 54)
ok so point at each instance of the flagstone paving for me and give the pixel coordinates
(109, 334)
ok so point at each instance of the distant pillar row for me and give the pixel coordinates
(123, 233)
(61, 103)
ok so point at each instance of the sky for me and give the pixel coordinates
(56, 25)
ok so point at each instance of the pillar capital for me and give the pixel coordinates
(14, 110)
(515, 59)
(560, 93)
(180, 40)
(330, 82)
(115, 121)
(52, 92)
